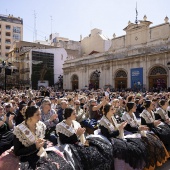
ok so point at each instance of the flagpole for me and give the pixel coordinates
(136, 21)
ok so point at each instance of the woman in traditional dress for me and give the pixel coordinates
(128, 153)
(29, 144)
(92, 155)
(162, 113)
(157, 154)
(6, 135)
(157, 126)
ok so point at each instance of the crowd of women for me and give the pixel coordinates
(99, 130)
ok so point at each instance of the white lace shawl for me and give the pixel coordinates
(149, 118)
(131, 121)
(40, 133)
(67, 130)
(108, 125)
(162, 113)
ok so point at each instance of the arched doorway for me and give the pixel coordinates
(94, 81)
(121, 80)
(157, 79)
(75, 82)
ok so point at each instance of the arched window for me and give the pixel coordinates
(121, 74)
(158, 70)
(74, 78)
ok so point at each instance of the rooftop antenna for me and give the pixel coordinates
(51, 23)
(35, 31)
(6, 12)
(136, 21)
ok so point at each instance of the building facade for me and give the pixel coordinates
(138, 60)
(19, 56)
(11, 29)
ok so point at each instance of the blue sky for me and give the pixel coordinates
(72, 18)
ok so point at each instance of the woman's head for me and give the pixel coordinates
(163, 103)
(69, 113)
(115, 102)
(22, 108)
(33, 113)
(130, 106)
(31, 103)
(130, 98)
(148, 104)
(108, 108)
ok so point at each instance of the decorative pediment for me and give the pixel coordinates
(142, 24)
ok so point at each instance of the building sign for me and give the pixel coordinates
(136, 78)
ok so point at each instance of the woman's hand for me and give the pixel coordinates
(167, 121)
(143, 127)
(156, 123)
(122, 125)
(80, 131)
(39, 143)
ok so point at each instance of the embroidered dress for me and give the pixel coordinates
(30, 157)
(128, 153)
(162, 114)
(96, 156)
(156, 151)
(6, 138)
(162, 130)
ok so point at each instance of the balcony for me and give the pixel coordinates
(24, 70)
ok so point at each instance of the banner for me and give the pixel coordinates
(137, 78)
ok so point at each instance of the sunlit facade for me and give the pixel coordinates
(138, 60)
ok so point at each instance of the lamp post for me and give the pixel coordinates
(121, 85)
(60, 78)
(97, 76)
(97, 73)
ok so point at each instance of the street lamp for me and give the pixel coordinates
(121, 85)
(60, 78)
(97, 73)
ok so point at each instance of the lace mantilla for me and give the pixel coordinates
(131, 121)
(149, 118)
(67, 130)
(107, 124)
(162, 113)
(40, 133)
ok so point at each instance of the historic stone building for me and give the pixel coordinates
(139, 59)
